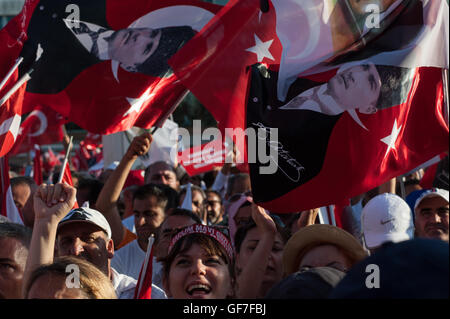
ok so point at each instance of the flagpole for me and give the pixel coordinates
(401, 180)
(66, 158)
(11, 71)
(446, 88)
(16, 86)
(161, 121)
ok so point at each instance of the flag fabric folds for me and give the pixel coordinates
(10, 116)
(356, 101)
(144, 284)
(42, 126)
(104, 63)
(7, 206)
(37, 165)
(213, 65)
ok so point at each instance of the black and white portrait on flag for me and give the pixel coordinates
(306, 122)
(60, 47)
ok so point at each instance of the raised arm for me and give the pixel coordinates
(51, 204)
(108, 197)
(250, 279)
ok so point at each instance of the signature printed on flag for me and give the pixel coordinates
(294, 169)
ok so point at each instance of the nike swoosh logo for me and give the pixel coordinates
(386, 221)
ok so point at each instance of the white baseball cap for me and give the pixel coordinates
(89, 215)
(433, 192)
(386, 218)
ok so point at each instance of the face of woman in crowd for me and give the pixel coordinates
(274, 269)
(194, 274)
(357, 87)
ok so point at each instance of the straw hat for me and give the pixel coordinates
(318, 235)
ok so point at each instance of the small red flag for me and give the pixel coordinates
(37, 165)
(144, 283)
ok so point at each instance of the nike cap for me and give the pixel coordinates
(87, 215)
(433, 192)
(386, 218)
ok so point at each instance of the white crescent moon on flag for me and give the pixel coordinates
(356, 118)
(173, 16)
(43, 123)
(314, 34)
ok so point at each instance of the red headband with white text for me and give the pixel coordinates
(205, 230)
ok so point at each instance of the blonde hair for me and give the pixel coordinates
(94, 284)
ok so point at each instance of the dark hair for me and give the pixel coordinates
(194, 188)
(22, 180)
(209, 178)
(16, 231)
(233, 179)
(185, 213)
(172, 39)
(215, 193)
(171, 195)
(148, 168)
(94, 186)
(148, 190)
(242, 231)
(395, 85)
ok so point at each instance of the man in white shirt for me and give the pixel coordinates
(81, 232)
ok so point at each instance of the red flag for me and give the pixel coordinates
(37, 165)
(42, 126)
(67, 179)
(50, 160)
(435, 177)
(10, 116)
(144, 283)
(7, 206)
(104, 63)
(202, 158)
(349, 117)
(213, 65)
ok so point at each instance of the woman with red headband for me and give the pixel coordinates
(199, 264)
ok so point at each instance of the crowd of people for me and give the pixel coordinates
(210, 240)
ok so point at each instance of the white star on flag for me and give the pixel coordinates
(391, 139)
(136, 104)
(261, 49)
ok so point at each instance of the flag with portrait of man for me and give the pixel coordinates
(103, 64)
(357, 98)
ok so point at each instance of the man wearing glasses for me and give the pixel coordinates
(214, 207)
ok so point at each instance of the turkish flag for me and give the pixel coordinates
(354, 105)
(50, 160)
(42, 126)
(324, 158)
(103, 64)
(10, 113)
(143, 288)
(213, 65)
